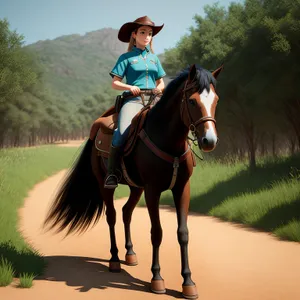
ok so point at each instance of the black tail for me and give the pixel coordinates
(78, 202)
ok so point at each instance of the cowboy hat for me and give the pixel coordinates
(127, 28)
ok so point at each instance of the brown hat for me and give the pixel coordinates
(126, 29)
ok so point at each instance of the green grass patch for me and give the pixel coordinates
(269, 208)
(266, 198)
(121, 191)
(6, 272)
(290, 231)
(21, 169)
(26, 280)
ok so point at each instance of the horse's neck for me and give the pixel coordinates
(165, 127)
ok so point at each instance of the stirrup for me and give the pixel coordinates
(110, 186)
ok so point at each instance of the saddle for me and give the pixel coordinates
(102, 131)
(103, 128)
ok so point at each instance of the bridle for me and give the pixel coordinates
(186, 117)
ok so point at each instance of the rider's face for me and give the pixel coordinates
(143, 36)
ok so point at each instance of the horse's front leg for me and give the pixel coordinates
(135, 195)
(152, 197)
(181, 194)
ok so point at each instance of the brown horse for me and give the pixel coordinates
(160, 160)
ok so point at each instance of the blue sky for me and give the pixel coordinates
(48, 19)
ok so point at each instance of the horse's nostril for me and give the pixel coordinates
(205, 141)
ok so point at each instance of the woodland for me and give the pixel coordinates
(53, 90)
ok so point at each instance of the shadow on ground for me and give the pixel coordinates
(23, 261)
(88, 273)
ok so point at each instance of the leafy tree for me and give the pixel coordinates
(259, 43)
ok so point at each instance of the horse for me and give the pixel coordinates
(160, 160)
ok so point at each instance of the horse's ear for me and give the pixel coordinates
(192, 73)
(217, 71)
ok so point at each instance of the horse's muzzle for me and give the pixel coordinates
(208, 143)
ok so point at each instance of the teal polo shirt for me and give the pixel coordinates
(140, 67)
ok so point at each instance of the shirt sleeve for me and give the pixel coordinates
(120, 67)
(160, 71)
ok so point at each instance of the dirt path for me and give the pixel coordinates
(227, 262)
(70, 143)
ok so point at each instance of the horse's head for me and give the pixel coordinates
(199, 105)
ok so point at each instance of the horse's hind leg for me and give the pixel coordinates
(108, 197)
(135, 195)
(181, 194)
(114, 263)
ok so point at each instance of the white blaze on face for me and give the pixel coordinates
(207, 99)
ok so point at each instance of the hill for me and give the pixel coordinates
(77, 66)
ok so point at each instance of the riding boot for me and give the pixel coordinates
(111, 180)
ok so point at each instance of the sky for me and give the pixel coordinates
(48, 19)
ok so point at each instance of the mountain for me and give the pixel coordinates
(78, 66)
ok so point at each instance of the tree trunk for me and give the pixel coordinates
(274, 152)
(251, 142)
(252, 156)
(292, 145)
(292, 112)
(263, 149)
(2, 138)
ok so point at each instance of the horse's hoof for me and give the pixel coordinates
(158, 286)
(114, 266)
(131, 259)
(189, 292)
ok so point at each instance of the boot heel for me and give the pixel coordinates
(111, 182)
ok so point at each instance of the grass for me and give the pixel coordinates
(6, 272)
(267, 198)
(26, 280)
(268, 208)
(290, 231)
(21, 169)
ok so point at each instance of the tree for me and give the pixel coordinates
(259, 43)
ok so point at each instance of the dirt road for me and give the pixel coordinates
(227, 261)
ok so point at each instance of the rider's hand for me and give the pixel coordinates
(157, 91)
(135, 90)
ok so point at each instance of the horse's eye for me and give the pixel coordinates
(192, 102)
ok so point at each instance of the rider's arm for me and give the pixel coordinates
(160, 85)
(117, 84)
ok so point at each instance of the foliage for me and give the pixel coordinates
(53, 90)
(15, 69)
(258, 42)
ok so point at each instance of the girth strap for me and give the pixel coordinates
(165, 156)
(126, 175)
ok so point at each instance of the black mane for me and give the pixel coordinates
(203, 78)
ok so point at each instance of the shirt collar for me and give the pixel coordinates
(140, 51)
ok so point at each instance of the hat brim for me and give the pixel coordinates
(126, 30)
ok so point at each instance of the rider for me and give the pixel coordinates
(143, 71)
